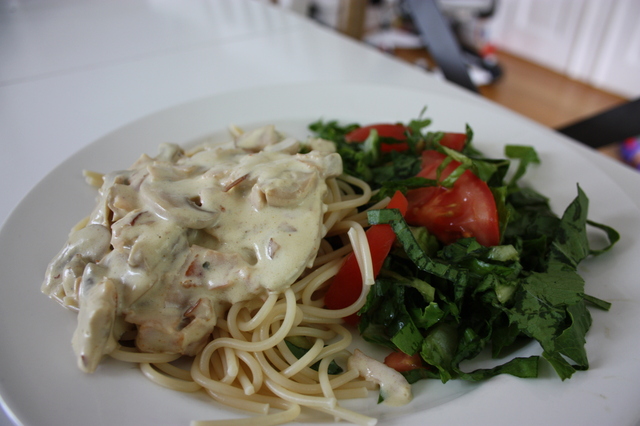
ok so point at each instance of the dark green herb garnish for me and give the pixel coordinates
(451, 302)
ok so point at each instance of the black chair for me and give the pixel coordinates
(437, 36)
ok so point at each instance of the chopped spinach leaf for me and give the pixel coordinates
(450, 303)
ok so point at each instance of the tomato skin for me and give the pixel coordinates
(346, 285)
(394, 131)
(402, 362)
(455, 141)
(468, 209)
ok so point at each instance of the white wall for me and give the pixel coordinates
(595, 41)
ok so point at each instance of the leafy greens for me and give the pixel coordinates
(450, 303)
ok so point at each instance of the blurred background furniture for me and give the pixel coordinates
(439, 39)
(610, 126)
(606, 127)
(542, 59)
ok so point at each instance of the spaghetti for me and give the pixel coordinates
(246, 359)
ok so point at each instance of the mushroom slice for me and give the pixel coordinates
(288, 188)
(256, 140)
(170, 204)
(288, 145)
(272, 248)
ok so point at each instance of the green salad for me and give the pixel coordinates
(478, 261)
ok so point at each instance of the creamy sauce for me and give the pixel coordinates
(176, 239)
(394, 388)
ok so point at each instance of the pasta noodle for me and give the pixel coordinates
(251, 360)
(259, 367)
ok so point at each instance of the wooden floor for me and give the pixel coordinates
(543, 95)
(546, 96)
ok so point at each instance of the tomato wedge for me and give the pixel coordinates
(455, 141)
(393, 131)
(468, 209)
(402, 362)
(347, 283)
(451, 140)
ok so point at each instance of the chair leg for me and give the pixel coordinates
(440, 41)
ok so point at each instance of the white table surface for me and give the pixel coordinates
(74, 70)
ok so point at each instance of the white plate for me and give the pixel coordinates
(40, 383)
